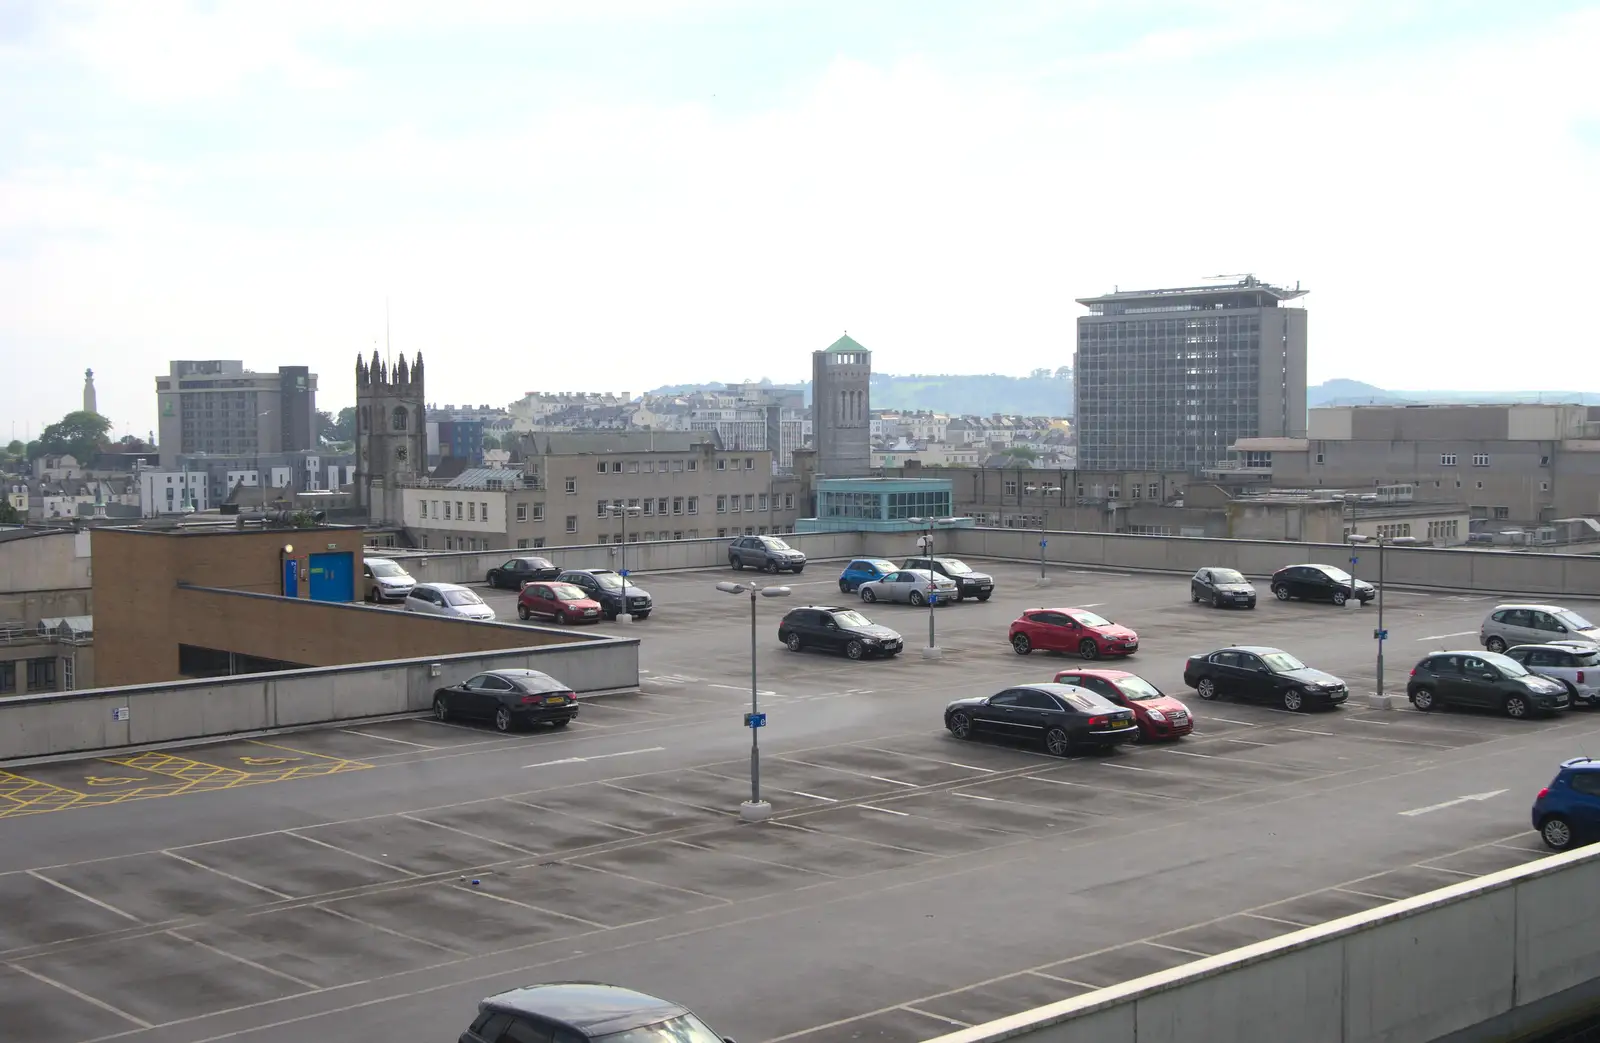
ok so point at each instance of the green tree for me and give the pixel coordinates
(344, 427)
(79, 434)
(16, 448)
(491, 442)
(8, 514)
(1021, 454)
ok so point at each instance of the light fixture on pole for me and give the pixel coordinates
(1044, 509)
(617, 510)
(925, 544)
(755, 809)
(1380, 699)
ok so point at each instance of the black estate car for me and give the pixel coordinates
(512, 574)
(580, 1012)
(1222, 588)
(969, 584)
(509, 698)
(1320, 583)
(606, 586)
(837, 630)
(1063, 717)
(1486, 680)
(1262, 674)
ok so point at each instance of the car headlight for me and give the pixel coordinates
(1156, 715)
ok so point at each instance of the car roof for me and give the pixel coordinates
(1555, 646)
(1044, 608)
(1478, 652)
(1097, 671)
(822, 608)
(593, 1008)
(527, 557)
(519, 672)
(1310, 565)
(1257, 649)
(369, 559)
(442, 586)
(1581, 764)
(1528, 604)
(592, 572)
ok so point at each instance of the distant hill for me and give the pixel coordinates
(1355, 393)
(1042, 393)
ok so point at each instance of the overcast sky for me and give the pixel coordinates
(599, 195)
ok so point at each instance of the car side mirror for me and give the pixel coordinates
(1490, 675)
(1560, 629)
(1263, 670)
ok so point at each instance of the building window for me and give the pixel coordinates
(633, 537)
(538, 541)
(749, 463)
(633, 467)
(1480, 459)
(522, 512)
(1137, 493)
(722, 464)
(1319, 458)
(677, 465)
(472, 511)
(677, 505)
(1544, 461)
(1502, 513)
(1115, 491)
(661, 505)
(600, 467)
(788, 501)
(424, 508)
(1544, 487)
(1447, 459)
(604, 538)
(694, 505)
(749, 501)
(694, 465)
(1011, 488)
(762, 530)
(8, 677)
(1155, 490)
(649, 467)
(522, 544)
(483, 512)
(601, 508)
(616, 467)
(733, 502)
(678, 535)
(749, 530)
(447, 510)
(649, 507)
(400, 418)
(722, 534)
(41, 675)
(572, 523)
(722, 505)
(572, 487)
(449, 543)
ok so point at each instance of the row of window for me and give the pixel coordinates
(1478, 459)
(650, 537)
(1443, 529)
(41, 675)
(649, 506)
(1391, 530)
(1135, 490)
(468, 511)
(661, 466)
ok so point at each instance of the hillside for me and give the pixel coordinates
(1342, 392)
(1042, 393)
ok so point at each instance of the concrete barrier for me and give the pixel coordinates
(1487, 958)
(96, 719)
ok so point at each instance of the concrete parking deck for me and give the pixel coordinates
(908, 884)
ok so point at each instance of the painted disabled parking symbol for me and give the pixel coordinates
(264, 762)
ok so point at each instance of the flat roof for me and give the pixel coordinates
(1251, 285)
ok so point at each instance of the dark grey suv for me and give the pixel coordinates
(767, 553)
(969, 584)
(584, 1012)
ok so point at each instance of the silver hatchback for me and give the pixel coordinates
(1510, 625)
(910, 586)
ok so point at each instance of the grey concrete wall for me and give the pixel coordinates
(1411, 972)
(73, 722)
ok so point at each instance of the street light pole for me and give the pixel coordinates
(933, 651)
(623, 511)
(1381, 699)
(1044, 513)
(755, 809)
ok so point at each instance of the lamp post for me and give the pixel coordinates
(925, 543)
(617, 510)
(1379, 700)
(1044, 510)
(755, 809)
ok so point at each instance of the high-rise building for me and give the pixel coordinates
(90, 403)
(1167, 380)
(841, 409)
(219, 407)
(391, 435)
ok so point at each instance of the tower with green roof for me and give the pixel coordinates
(841, 409)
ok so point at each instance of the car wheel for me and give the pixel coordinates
(1057, 743)
(1281, 593)
(960, 725)
(738, 566)
(523, 613)
(855, 650)
(642, 616)
(1088, 649)
(1194, 595)
(1020, 644)
(1206, 688)
(1216, 601)
(1340, 597)
(983, 597)
(1516, 707)
(844, 588)
(1494, 644)
(560, 619)
(772, 567)
(1556, 832)
(799, 569)
(441, 709)
(502, 720)
(867, 595)
(794, 643)
(372, 597)
(1293, 701)
(561, 723)
(917, 598)
(1422, 699)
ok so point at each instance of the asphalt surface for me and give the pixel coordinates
(375, 881)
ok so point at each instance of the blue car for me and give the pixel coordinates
(1567, 812)
(864, 570)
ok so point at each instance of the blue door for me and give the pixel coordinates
(291, 579)
(333, 577)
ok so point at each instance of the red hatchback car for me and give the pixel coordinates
(1160, 716)
(1071, 630)
(560, 602)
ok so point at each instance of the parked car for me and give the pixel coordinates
(513, 573)
(1573, 663)
(1262, 674)
(969, 584)
(1486, 681)
(1222, 588)
(1159, 715)
(447, 599)
(509, 698)
(863, 570)
(385, 580)
(1071, 630)
(1320, 583)
(577, 1012)
(1509, 625)
(909, 587)
(1059, 716)
(1567, 812)
(838, 630)
(606, 587)
(767, 553)
(558, 602)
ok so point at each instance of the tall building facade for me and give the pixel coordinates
(217, 406)
(1167, 380)
(841, 409)
(391, 435)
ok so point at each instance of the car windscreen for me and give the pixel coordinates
(1138, 689)
(1281, 662)
(1505, 664)
(885, 567)
(851, 618)
(1227, 576)
(685, 1028)
(1337, 575)
(461, 597)
(955, 566)
(568, 592)
(386, 569)
(1572, 621)
(609, 580)
(776, 544)
(1586, 656)
(1089, 619)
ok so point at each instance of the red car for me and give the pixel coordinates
(1071, 630)
(1160, 716)
(561, 602)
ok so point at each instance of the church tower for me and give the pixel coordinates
(841, 409)
(89, 402)
(391, 435)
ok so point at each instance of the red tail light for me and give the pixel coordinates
(529, 700)
(1542, 793)
(1096, 721)
(1413, 671)
(1580, 676)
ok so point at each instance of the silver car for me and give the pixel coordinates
(448, 599)
(910, 586)
(385, 580)
(1575, 664)
(1510, 625)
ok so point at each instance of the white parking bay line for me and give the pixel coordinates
(595, 757)
(974, 796)
(893, 782)
(1247, 742)
(1186, 753)
(1441, 637)
(1226, 720)
(1308, 731)
(1124, 767)
(886, 811)
(385, 738)
(812, 796)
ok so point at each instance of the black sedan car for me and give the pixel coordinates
(838, 630)
(1262, 674)
(1485, 681)
(509, 698)
(572, 1012)
(513, 573)
(1062, 717)
(1222, 588)
(1320, 583)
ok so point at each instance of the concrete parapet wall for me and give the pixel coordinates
(1479, 953)
(74, 722)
